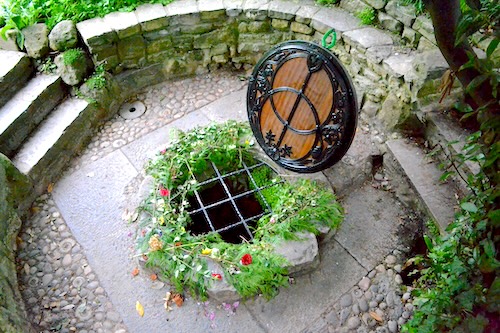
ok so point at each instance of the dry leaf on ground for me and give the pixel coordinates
(139, 308)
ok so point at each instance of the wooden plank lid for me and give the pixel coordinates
(302, 106)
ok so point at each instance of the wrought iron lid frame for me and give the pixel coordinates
(336, 132)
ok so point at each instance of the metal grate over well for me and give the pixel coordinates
(229, 204)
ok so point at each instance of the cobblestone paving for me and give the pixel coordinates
(62, 293)
(60, 290)
(164, 103)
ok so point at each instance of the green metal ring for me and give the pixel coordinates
(334, 39)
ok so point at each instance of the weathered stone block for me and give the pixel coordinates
(10, 43)
(124, 23)
(354, 168)
(160, 45)
(394, 113)
(233, 7)
(284, 10)
(410, 36)
(211, 9)
(63, 36)
(377, 4)
(367, 37)
(425, 44)
(219, 49)
(151, 17)
(325, 19)
(160, 34)
(74, 73)
(96, 32)
(101, 52)
(131, 50)
(183, 42)
(187, 20)
(404, 14)
(301, 28)
(282, 25)
(181, 8)
(220, 290)
(259, 26)
(302, 254)
(399, 65)
(423, 25)
(197, 29)
(390, 23)
(210, 39)
(354, 6)
(306, 13)
(36, 40)
(15, 70)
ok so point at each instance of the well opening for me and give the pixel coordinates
(230, 203)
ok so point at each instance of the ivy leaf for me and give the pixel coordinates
(469, 206)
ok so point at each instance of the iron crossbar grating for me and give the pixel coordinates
(235, 200)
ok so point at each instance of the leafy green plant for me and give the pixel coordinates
(183, 257)
(47, 66)
(21, 13)
(327, 2)
(367, 16)
(97, 80)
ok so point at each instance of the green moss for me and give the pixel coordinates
(73, 56)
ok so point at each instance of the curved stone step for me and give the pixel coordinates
(23, 112)
(15, 69)
(46, 153)
(435, 199)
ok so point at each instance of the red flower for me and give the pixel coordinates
(164, 192)
(163, 151)
(246, 259)
(217, 276)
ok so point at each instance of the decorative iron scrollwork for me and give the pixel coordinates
(302, 106)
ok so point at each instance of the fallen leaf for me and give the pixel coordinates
(178, 299)
(26, 269)
(135, 271)
(167, 300)
(178, 243)
(50, 187)
(139, 308)
(375, 316)
(35, 210)
(153, 277)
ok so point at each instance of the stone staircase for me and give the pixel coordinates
(40, 127)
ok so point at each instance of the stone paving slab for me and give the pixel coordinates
(146, 147)
(295, 308)
(229, 107)
(369, 232)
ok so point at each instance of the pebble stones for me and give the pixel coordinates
(155, 107)
(375, 305)
(56, 282)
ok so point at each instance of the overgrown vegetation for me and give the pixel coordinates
(459, 288)
(251, 267)
(97, 80)
(367, 16)
(22, 13)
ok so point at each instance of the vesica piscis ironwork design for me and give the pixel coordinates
(302, 106)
